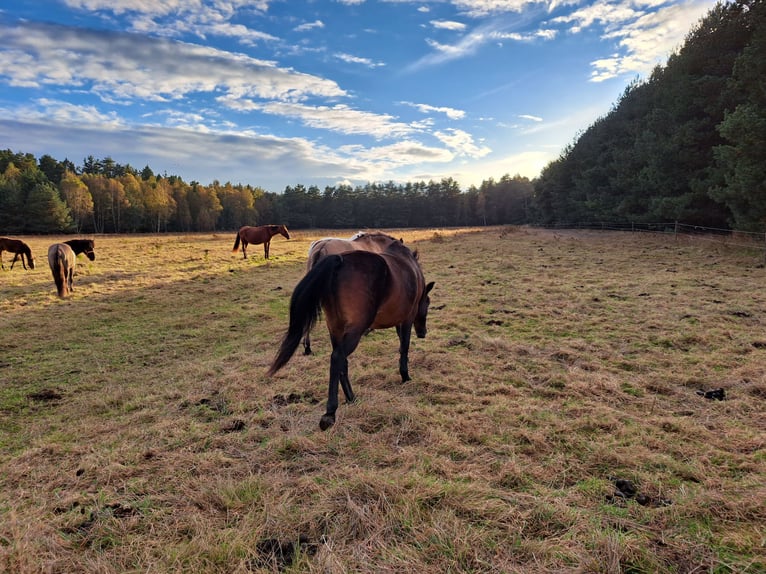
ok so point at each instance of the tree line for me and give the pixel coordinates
(686, 144)
(102, 196)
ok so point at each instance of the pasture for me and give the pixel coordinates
(552, 423)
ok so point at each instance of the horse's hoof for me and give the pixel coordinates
(326, 422)
(405, 378)
(306, 351)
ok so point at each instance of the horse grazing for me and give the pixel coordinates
(256, 235)
(376, 241)
(358, 290)
(61, 259)
(20, 250)
(82, 246)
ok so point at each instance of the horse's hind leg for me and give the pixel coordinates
(244, 249)
(336, 365)
(307, 345)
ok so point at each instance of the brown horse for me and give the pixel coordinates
(20, 250)
(83, 246)
(357, 291)
(375, 241)
(256, 235)
(61, 259)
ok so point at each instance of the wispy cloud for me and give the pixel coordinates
(644, 36)
(451, 113)
(448, 25)
(348, 58)
(309, 26)
(338, 118)
(481, 8)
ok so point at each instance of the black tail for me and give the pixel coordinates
(59, 275)
(236, 244)
(305, 305)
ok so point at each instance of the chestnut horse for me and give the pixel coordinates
(20, 250)
(61, 259)
(357, 291)
(375, 241)
(256, 235)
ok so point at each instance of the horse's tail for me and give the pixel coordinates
(305, 305)
(58, 268)
(236, 244)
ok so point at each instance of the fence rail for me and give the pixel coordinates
(728, 237)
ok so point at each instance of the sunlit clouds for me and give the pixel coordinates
(273, 93)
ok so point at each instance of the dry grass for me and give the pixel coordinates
(138, 432)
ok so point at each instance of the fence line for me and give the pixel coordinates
(726, 237)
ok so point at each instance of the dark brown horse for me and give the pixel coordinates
(357, 291)
(375, 241)
(20, 250)
(61, 259)
(82, 246)
(256, 235)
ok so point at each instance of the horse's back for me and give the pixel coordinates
(361, 284)
(60, 252)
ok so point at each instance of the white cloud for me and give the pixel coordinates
(58, 111)
(400, 153)
(309, 26)
(173, 17)
(530, 118)
(358, 60)
(481, 8)
(529, 37)
(644, 38)
(126, 67)
(448, 25)
(451, 113)
(339, 118)
(461, 143)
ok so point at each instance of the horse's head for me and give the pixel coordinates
(89, 253)
(30, 260)
(283, 231)
(420, 319)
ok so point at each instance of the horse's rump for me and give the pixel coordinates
(61, 259)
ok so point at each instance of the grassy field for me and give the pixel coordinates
(553, 423)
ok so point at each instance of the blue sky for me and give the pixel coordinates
(275, 92)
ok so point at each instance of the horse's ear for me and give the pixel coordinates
(429, 287)
(401, 240)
